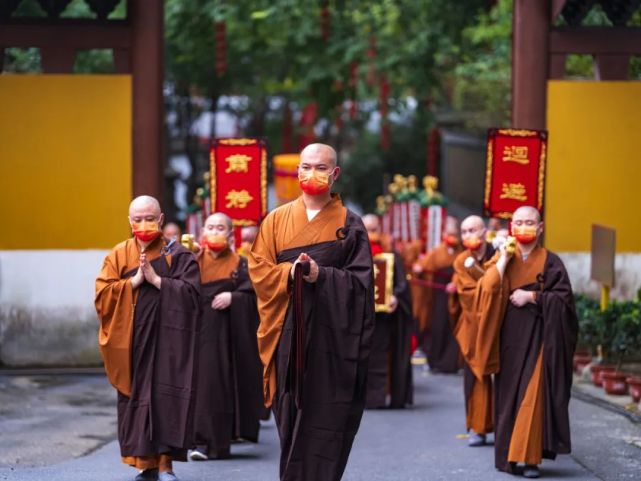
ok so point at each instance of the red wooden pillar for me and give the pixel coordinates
(530, 40)
(147, 110)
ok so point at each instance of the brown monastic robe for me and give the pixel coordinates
(437, 340)
(147, 340)
(390, 370)
(229, 400)
(478, 393)
(317, 427)
(530, 349)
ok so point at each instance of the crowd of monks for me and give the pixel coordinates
(200, 344)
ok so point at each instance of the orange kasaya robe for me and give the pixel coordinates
(116, 303)
(530, 350)
(478, 392)
(314, 337)
(285, 228)
(116, 300)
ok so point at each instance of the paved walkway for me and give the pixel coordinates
(425, 442)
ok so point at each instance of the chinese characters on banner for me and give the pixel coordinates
(238, 179)
(515, 171)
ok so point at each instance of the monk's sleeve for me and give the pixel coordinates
(560, 326)
(490, 301)
(454, 306)
(465, 324)
(270, 281)
(181, 289)
(114, 303)
(349, 291)
(243, 298)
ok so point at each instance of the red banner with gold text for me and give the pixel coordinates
(515, 171)
(238, 179)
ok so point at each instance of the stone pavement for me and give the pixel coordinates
(425, 442)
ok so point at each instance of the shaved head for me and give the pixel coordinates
(322, 151)
(219, 218)
(472, 222)
(145, 202)
(527, 212)
(171, 230)
(371, 223)
(145, 208)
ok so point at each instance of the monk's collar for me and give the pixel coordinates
(158, 243)
(524, 257)
(334, 199)
(479, 255)
(224, 254)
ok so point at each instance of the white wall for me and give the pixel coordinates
(627, 274)
(47, 316)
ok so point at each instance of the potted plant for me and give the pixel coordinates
(624, 341)
(603, 333)
(586, 309)
(634, 387)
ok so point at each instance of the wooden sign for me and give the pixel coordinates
(383, 281)
(603, 254)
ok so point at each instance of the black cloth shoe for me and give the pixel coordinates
(531, 471)
(147, 475)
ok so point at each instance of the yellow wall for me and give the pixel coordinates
(594, 163)
(65, 160)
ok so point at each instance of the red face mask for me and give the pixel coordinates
(146, 230)
(215, 242)
(472, 243)
(313, 182)
(525, 234)
(450, 240)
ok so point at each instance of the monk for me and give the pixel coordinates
(390, 371)
(312, 270)
(526, 335)
(437, 339)
(468, 269)
(229, 399)
(170, 231)
(148, 304)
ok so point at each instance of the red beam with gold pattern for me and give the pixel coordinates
(515, 171)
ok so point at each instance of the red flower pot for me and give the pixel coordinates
(614, 382)
(580, 361)
(596, 371)
(634, 384)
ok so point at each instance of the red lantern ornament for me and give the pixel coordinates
(325, 20)
(371, 56)
(307, 123)
(385, 127)
(221, 48)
